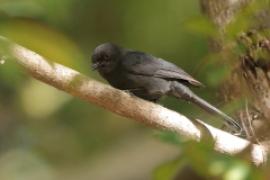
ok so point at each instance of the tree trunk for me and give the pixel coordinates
(250, 75)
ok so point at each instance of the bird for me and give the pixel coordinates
(150, 78)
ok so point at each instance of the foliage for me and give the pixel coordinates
(205, 163)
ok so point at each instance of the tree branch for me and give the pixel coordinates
(121, 103)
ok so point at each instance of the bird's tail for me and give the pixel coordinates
(183, 92)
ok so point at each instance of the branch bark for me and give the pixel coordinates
(121, 103)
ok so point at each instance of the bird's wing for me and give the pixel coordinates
(146, 64)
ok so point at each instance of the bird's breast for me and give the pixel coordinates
(118, 80)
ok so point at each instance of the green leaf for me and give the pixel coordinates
(168, 170)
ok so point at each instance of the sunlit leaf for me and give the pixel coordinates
(239, 171)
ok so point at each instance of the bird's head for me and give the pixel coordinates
(105, 57)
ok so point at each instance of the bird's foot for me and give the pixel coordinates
(234, 130)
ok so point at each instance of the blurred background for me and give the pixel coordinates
(48, 134)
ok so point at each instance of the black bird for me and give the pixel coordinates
(149, 77)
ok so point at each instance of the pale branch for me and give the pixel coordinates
(124, 104)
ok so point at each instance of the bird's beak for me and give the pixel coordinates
(95, 66)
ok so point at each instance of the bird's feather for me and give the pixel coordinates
(145, 64)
